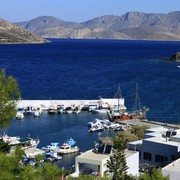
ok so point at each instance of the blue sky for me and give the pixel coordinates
(80, 10)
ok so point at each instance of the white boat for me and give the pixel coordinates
(53, 146)
(36, 113)
(60, 109)
(99, 111)
(25, 142)
(96, 129)
(69, 110)
(29, 110)
(97, 122)
(19, 115)
(66, 149)
(52, 156)
(178, 66)
(52, 110)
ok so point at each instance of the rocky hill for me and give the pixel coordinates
(10, 33)
(132, 25)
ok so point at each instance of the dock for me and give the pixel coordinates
(45, 104)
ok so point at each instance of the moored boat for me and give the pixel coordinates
(66, 149)
(70, 142)
(138, 113)
(19, 115)
(52, 147)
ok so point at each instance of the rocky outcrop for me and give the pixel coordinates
(10, 34)
(175, 57)
(132, 25)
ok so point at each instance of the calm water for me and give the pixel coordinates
(86, 69)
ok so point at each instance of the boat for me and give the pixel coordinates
(77, 109)
(66, 149)
(138, 113)
(70, 142)
(178, 66)
(68, 110)
(96, 129)
(60, 109)
(99, 111)
(97, 122)
(52, 147)
(36, 113)
(25, 142)
(51, 156)
(29, 110)
(52, 110)
(19, 115)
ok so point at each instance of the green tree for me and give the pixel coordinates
(49, 171)
(4, 147)
(9, 94)
(9, 167)
(122, 138)
(139, 131)
(117, 165)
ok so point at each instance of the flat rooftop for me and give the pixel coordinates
(93, 156)
(173, 167)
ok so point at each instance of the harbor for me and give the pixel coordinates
(59, 128)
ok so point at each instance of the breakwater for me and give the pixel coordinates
(44, 104)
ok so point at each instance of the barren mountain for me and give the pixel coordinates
(132, 25)
(10, 33)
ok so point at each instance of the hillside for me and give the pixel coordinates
(132, 25)
(10, 33)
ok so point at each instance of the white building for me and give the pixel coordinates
(97, 162)
(159, 147)
(173, 170)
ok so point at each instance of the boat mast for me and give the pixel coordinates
(119, 94)
(137, 100)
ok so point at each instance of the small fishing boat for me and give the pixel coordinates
(96, 129)
(51, 156)
(29, 110)
(66, 149)
(60, 109)
(52, 147)
(25, 142)
(70, 142)
(19, 115)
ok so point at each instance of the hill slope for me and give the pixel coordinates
(132, 25)
(10, 33)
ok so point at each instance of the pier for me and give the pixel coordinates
(45, 104)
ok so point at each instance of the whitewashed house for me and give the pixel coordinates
(159, 147)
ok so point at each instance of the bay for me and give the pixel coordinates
(87, 69)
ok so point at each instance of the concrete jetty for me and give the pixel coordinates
(47, 103)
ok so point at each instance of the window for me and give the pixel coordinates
(161, 159)
(147, 156)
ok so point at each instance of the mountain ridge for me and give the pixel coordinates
(153, 26)
(10, 34)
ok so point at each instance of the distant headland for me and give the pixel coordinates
(175, 57)
(12, 34)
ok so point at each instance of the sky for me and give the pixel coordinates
(80, 10)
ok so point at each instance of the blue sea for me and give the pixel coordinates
(88, 69)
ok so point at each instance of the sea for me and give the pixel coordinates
(69, 69)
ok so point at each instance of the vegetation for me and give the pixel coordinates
(9, 94)
(4, 147)
(156, 174)
(117, 162)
